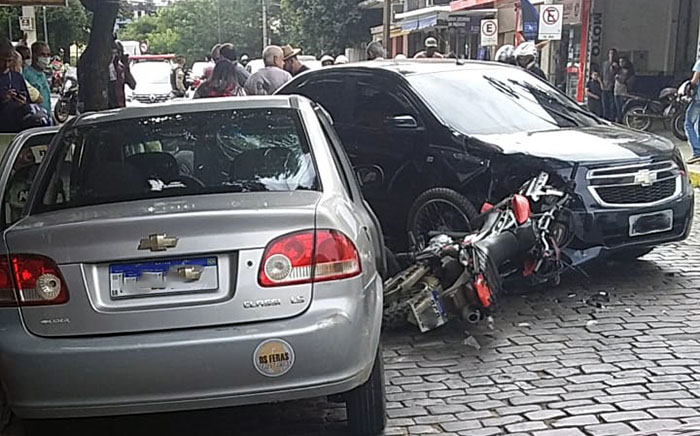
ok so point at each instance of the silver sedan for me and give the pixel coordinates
(188, 256)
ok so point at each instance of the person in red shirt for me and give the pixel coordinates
(223, 82)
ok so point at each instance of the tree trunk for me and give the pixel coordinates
(93, 66)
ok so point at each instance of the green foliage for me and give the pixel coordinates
(322, 26)
(66, 26)
(9, 18)
(192, 27)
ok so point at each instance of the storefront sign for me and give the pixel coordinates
(489, 32)
(596, 36)
(551, 21)
(33, 2)
(572, 12)
(463, 23)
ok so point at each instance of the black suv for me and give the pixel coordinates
(432, 141)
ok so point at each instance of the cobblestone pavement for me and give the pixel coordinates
(555, 365)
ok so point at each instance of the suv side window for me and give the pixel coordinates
(331, 93)
(374, 104)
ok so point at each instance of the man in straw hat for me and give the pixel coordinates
(292, 64)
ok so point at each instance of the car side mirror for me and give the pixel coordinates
(401, 122)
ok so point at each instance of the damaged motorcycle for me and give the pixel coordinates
(461, 275)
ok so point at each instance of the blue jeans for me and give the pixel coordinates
(692, 116)
(609, 111)
(620, 101)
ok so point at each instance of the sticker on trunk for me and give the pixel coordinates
(273, 358)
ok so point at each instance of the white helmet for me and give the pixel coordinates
(400, 57)
(506, 54)
(526, 49)
(341, 59)
(327, 60)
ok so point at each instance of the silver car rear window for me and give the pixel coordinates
(232, 151)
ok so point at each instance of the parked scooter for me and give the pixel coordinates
(462, 275)
(639, 113)
(67, 104)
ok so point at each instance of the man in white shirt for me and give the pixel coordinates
(269, 79)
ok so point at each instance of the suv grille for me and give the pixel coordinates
(642, 184)
(637, 194)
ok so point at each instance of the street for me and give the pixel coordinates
(555, 364)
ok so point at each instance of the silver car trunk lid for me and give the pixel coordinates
(223, 235)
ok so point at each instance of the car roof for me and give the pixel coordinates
(409, 67)
(191, 106)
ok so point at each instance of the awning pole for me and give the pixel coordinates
(387, 28)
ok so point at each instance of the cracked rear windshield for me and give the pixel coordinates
(250, 150)
(497, 101)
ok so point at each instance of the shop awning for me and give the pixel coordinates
(422, 18)
(460, 5)
(418, 24)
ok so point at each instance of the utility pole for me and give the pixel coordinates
(387, 28)
(218, 19)
(46, 28)
(264, 23)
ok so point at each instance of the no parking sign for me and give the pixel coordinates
(551, 21)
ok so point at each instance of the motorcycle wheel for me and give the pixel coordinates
(441, 210)
(62, 111)
(678, 126)
(632, 119)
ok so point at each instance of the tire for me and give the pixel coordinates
(631, 120)
(61, 111)
(366, 404)
(396, 315)
(678, 126)
(450, 207)
(6, 416)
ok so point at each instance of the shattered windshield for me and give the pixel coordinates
(248, 150)
(497, 101)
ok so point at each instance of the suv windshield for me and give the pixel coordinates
(497, 101)
(211, 152)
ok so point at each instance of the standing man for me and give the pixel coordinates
(35, 73)
(292, 64)
(375, 51)
(431, 46)
(692, 117)
(269, 79)
(119, 76)
(608, 73)
(177, 78)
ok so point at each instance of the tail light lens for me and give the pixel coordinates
(309, 256)
(37, 281)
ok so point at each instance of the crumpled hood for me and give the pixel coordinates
(588, 144)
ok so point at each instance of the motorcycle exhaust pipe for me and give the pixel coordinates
(472, 316)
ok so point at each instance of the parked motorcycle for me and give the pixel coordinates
(67, 104)
(640, 113)
(462, 275)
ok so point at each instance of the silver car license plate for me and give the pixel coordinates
(648, 223)
(162, 277)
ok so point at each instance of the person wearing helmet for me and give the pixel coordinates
(327, 60)
(505, 54)
(692, 117)
(400, 57)
(526, 58)
(244, 60)
(375, 51)
(431, 46)
(341, 60)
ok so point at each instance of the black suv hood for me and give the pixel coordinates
(579, 145)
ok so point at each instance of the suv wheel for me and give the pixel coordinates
(366, 404)
(6, 417)
(440, 210)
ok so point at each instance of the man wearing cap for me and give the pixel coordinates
(430, 51)
(292, 64)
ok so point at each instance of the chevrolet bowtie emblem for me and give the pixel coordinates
(157, 243)
(645, 178)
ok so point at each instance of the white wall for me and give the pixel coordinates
(641, 25)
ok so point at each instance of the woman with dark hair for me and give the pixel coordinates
(223, 82)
